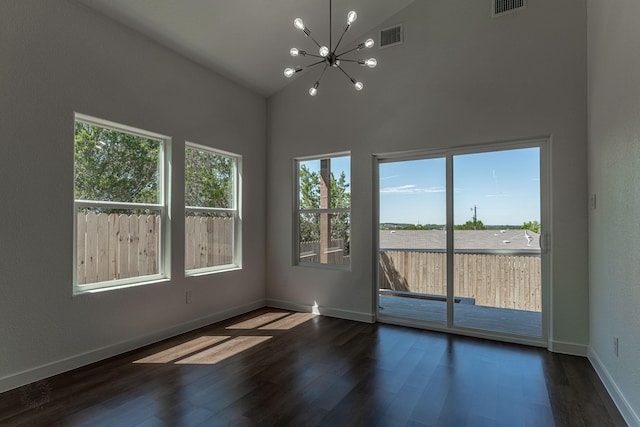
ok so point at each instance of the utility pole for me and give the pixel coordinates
(475, 217)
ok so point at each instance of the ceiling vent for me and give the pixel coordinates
(391, 36)
(503, 7)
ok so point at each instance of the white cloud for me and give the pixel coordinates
(412, 189)
(389, 177)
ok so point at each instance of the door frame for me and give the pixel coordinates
(543, 143)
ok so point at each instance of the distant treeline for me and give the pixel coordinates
(401, 226)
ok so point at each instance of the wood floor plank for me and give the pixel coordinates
(278, 368)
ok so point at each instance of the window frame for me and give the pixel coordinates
(163, 206)
(235, 211)
(297, 211)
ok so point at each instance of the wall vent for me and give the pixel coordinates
(391, 36)
(503, 7)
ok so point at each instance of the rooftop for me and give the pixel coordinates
(511, 240)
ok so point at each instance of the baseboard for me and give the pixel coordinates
(60, 366)
(627, 412)
(325, 311)
(570, 348)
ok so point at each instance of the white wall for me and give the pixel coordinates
(614, 176)
(460, 78)
(57, 57)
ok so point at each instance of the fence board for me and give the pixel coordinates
(123, 246)
(81, 234)
(153, 235)
(310, 252)
(103, 247)
(91, 249)
(112, 238)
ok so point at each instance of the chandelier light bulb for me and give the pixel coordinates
(358, 85)
(371, 62)
(314, 90)
(298, 23)
(369, 43)
(351, 17)
(324, 51)
(288, 72)
(294, 51)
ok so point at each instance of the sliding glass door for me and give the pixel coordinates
(460, 240)
(412, 240)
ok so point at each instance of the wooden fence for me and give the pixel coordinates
(493, 280)
(113, 246)
(310, 252)
(208, 242)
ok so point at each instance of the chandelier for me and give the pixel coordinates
(328, 55)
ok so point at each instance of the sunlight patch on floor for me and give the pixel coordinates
(288, 322)
(241, 336)
(258, 321)
(223, 351)
(181, 350)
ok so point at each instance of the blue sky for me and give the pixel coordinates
(503, 185)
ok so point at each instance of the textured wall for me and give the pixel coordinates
(614, 176)
(57, 58)
(460, 78)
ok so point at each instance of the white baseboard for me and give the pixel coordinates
(629, 415)
(569, 348)
(325, 311)
(54, 368)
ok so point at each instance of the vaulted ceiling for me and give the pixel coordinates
(247, 41)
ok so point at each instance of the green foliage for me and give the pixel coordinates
(470, 225)
(309, 185)
(115, 166)
(531, 226)
(415, 227)
(208, 179)
(402, 226)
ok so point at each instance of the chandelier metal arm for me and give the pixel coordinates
(346, 74)
(311, 54)
(330, 28)
(347, 60)
(346, 27)
(314, 40)
(360, 46)
(322, 74)
(306, 67)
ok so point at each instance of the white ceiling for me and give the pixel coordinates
(247, 41)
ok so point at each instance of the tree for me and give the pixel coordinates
(208, 179)
(115, 166)
(531, 226)
(471, 225)
(415, 227)
(309, 198)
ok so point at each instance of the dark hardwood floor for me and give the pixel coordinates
(276, 368)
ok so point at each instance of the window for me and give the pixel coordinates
(120, 205)
(212, 214)
(323, 210)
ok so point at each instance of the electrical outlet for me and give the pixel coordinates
(187, 297)
(615, 346)
(592, 201)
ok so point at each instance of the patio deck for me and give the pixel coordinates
(502, 320)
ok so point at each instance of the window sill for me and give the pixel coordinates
(334, 267)
(90, 289)
(211, 270)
